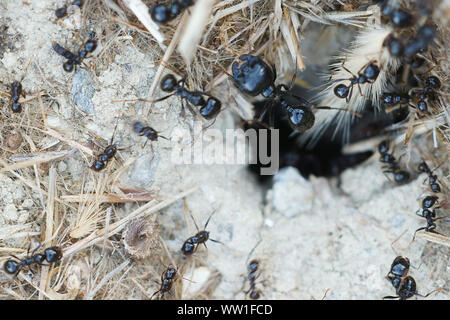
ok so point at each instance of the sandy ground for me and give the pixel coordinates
(313, 235)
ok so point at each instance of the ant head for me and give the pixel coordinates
(174, 9)
(269, 92)
(341, 91)
(429, 201)
(16, 107)
(422, 106)
(400, 266)
(433, 82)
(138, 126)
(68, 65)
(90, 45)
(423, 167)
(255, 294)
(401, 177)
(159, 13)
(170, 272)
(203, 236)
(371, 72)
(300, 118)
(383, 147)
(11, 267)
(253, 266)
(168, 83)
(394, 45)
(211, 108)
(52, 254)
(401, 18)
(110, 151)
(387, 98)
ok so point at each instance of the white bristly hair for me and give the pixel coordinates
(367, 46)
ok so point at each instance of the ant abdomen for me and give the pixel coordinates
(211, 109)
(168, 83)
(300, 118)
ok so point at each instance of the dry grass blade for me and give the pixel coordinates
(37, 158)
(106, 278)
(110, 197)
(141, 12)
(49, 221)
(292, 39)
(434, 237)
(194, 29)
(116, 227)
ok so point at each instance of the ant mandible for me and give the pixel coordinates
(192, 243)
(253, 77)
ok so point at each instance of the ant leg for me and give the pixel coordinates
(423, 228)
(294, 76)
(391, 297)
(195, 223)
(190, 108)
(349, 95)
(207, 221)
(183, 110)
(356, 114)
(435, 290)
(216, 241)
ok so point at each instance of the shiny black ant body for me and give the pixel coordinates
(367, 74)
(429, 214)
(50, 255)
(399, 18)
(167, 278)
(192, 243)
(146, 131)
(432, 179)
(400, 176)
(162, 14)
(252, 275)
(254, 77)
(393, 99)
(405, 286)
(16, 91)
(413, 46)
(432, 83)
(62, 12)
(72, 59)
(209, 108)
(108, 153)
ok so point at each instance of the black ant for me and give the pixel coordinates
(167, 278)
(367, 74)
(428, 92)
(415, 45)
(255, 77)
(62, 12)
(192, 243)
(50, 255)
(432, 179)
(209, 108)
(400, 176)
(429, 214)
(108, 153)
(398, 17)
(393, 99)
(252, 269)
(16, 91)
(162, 14)
(405, 286)
(143, 130)
(72, 59)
